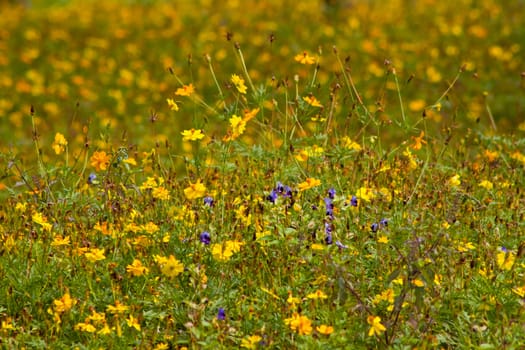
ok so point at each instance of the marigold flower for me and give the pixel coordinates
(59, 144)
(375, 325)
(192, 135)
(304, 58)
(239, 83)
(100, 160)
(186, 90)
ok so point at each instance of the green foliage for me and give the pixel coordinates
(273, 194)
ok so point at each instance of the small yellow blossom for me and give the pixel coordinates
(186, 90)
(239, 83)
(519, 291)
(136, 268)
(505, 259)
(251, 342)
(172, 267)
(317, 246)
(365, 193)
(312, 101)
(300, 324)
(132, 322)
(65, 303)
(195, 190)
(308, 183)
(486, 184)
(454, 181)
(324, 329)
(60, 143)
(418, 283)
(318, 294)
(418, 141)
(95, 254)
(192, 135)
(172, 104)
(117, 309)
(85, 327)
(161, 193)
(304, 58)
(376, 328)
(60, 241)
(348, 143)
(382, 239)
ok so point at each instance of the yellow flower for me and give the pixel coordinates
(505, 259)
(172, 267)
(117, 309)
(312, 101)
(418, 141)
(192, 135)
(250, 342)
(239, 83)
(519, 291)
(95, 254)
(318, 294)
(454, 181)
(161, 346)
(38, 218)
(375, 325)
(352, 145)
(136, 268)
(365, 193)
(304, 58)
(308, 183)
(221, 252)
(161, 193)
(195, 190)
(418, 283)
(59, 241)
(382, 239)
(324, 329)
(133, 322)
(186, 90)
(486, 184)
(85, 327)
(100, 160)
(65, 303)
(300, 324)
(59, 144)
(172, 104)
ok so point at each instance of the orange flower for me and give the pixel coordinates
(304, 58)
(418, 141)
(186, 90)
(100, 160)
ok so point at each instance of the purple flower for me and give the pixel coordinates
(329, 206)
(91, 178)
(383, 222)
(205, 237)
(331, 193)
(221, 315)
(272, 197)
(328, 238)
(353, 201)
(208, 201)
(374, 227)
(287, 192)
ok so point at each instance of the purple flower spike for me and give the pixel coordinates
(272, 197)
(383, 222)
(328, 239)
(374, 227)
(353, 201)
(331, 193)
(205, 237)
(221, 315)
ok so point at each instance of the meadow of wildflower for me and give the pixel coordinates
(262, 175)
